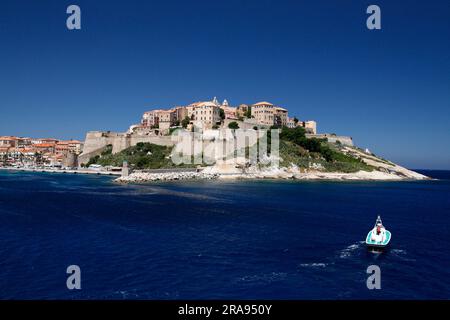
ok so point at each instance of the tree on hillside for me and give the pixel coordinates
(295, 120)
(185, 122)
(222, 114)
(295, 135)
(248, 113)
(233, 125)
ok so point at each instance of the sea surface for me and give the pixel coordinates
(221, 240)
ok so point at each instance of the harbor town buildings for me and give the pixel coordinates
(21, 151)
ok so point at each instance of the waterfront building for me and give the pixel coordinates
(75, 146)
(35, 141)
(49, 140)
(23, 142)
(45, 147)
(4, 150)
(8, 141)
(62, 147)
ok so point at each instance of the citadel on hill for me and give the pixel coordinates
(156, 125)
(213, 115)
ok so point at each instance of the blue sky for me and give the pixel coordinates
(389, 89)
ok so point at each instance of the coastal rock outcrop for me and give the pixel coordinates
(166, 176)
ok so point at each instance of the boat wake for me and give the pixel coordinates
(351, 250)
(314, 265)
(346, 253)
(401, 254)
(264, 278)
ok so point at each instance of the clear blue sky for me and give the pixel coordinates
(388, 89)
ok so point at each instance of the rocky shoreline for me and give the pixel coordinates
(138, 177)
(252, 173)
(212, 173)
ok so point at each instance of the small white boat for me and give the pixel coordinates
(378, 237)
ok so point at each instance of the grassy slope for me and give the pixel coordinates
(141, 156)
(340, 162)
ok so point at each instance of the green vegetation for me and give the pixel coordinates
(185, 122)
(141, 156)
(296, 148)
(108, 150)
(222, 114)
(248, 113)
(233, 125)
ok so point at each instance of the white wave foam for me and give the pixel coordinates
(314, 265)
(347, 252)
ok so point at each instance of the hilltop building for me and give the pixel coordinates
(263, 112)
(241, 110)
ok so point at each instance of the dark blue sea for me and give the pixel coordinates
(221, 240)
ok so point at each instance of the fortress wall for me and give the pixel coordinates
(120, 143)
(242, 124)
(96, 142)
(348, 141)
(84, 157)
(159, 140)
(345, 140)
